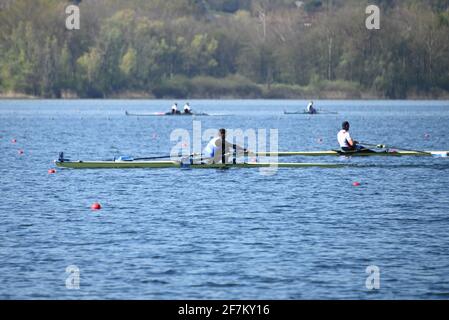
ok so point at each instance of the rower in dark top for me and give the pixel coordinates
(310, 109)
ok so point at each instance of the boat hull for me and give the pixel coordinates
(308, 113)
(175, 164)
(355, 154)
(164, 114)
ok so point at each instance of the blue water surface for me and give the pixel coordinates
(222, 234)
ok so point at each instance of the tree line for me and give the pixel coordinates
(225, 48)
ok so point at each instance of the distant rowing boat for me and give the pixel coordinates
(308, 113)
(161, 114)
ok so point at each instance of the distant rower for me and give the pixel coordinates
(310, 109)
(345, 140)
(187, 108)
(213, 150)
(174, 108)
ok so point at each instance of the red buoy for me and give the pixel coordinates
(95, 206)
(51, 171)
(20, 151)
(356, 184)
(13, 141)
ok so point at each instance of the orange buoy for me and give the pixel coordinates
(13, 141)
(95, 206)
(20, 151)
(51, 171)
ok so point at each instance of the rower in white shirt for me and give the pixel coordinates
(310, 109)
(187, 108)
(174, 108)
(213, 151)
(345, 140)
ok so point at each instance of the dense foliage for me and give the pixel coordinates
(232, 48)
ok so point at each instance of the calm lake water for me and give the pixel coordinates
(222, 234)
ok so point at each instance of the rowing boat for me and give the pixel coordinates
(308, 113)
(178, 164)
(126, 162)
(162, 114)
(130, 164)
(388, 153)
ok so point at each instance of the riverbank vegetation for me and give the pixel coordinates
(225, 49)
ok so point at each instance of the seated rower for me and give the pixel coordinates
(214, 149)
(174, 108)
(310, 109)
(346, 142)
(187, 108)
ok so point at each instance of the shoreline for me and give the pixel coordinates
(226, 98)
(263, 94)
(325, 95)
(222, 91)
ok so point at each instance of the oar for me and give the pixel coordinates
(164, 157)
(197, 155)
(151, 158)
(382, 146)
